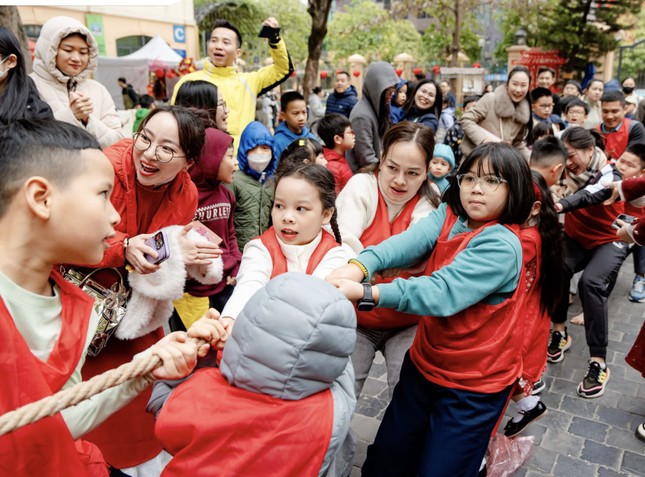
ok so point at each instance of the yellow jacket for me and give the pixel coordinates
(240, 90)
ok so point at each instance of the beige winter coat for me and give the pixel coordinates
(495, 116)
(104, 123)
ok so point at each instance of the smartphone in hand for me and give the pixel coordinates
(158, 242)
(628, 219)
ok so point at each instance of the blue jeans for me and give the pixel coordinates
(433, 431)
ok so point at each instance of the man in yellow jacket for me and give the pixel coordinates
(240, 90)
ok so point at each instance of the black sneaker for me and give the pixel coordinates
(538, 387)
(593, 385)
(640, 432)
(514, 428)
(558, 344)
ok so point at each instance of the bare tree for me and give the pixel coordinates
(319, 11)
(10, 19)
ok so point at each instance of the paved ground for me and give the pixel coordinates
(578, 437)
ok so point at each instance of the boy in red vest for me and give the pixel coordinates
(618, 131)
(55, 208)
(336, 132)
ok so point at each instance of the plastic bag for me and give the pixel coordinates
(505, 455)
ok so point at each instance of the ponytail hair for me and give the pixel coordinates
(323, 180)
(581, 138)
(552, 254)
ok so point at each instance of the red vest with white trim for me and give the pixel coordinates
(380, 230)
(213, 428)
(270, 241)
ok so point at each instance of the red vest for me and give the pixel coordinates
(127, 437)
(478, 349)
(591, 226)
(537, 322)
(45, 447)
(379, 230)
(270, 241)
(616, 141)
(251, 435)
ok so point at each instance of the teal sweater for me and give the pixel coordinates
(487, 270)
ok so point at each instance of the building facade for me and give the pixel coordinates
(121, 30)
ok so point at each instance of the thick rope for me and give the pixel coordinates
(51, 405)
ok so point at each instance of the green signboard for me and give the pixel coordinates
(95, 25)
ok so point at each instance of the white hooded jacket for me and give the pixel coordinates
(104, 123)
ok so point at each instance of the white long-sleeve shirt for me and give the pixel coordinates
(356, 205)
(257, 266)
(38, 319)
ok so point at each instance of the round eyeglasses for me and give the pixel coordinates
(488, 183)
(162, 153)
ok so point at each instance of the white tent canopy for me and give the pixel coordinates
(134, 67)
(156, 49)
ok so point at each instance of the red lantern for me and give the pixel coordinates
(324, 74)
(418, 71)
(171, 74)
(293, 74)
(160, 73)
(436, 69)
(356, 73)
(477, 65)
(399, 71)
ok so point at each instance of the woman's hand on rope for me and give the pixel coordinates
(178, 356)
(211, 329)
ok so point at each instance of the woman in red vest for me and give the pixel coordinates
(373, 207)
(467, 353)
(152, 189)
(305, 197)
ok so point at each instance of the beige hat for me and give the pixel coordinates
(633, 99)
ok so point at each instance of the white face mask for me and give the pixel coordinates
(4, 71)
(258, 161)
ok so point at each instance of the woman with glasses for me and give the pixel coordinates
(152, 190)
(19, 97)
(466, 356)
(501, 116)
(66, 56)
(424, 104)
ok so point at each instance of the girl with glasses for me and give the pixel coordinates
(458, 375)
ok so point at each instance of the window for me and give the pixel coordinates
(130, 44)
(32, 31)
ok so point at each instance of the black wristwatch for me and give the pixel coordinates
(367, 302)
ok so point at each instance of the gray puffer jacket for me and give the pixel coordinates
(293, 339)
